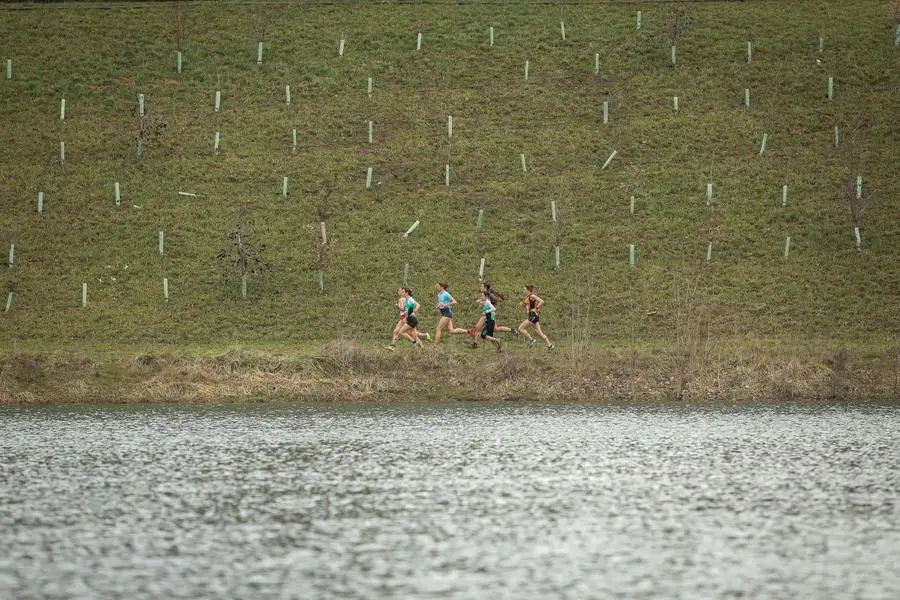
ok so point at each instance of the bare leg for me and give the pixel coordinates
(494, 341)
(523, 329)
(409, 333)
(453, 329)
(446, 323)
(396, 332)
(414, 338)
(476, 330)
(442, 323)
(540, 332)
(478, 325)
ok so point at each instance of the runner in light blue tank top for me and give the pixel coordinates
(445, 303)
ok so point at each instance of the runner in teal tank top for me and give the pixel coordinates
(411, 322)
(489, 311)
(401, 309)
(494, 296)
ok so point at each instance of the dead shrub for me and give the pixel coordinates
(839, 368)
(26, 369)
(341, 356)
(149, 364)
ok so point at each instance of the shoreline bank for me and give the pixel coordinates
(348, 371)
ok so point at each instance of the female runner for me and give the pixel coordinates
(489, 311)
(533, 303)
(444, 303)
(495, 297)
(402, 328)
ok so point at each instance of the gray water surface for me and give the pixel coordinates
(463, 501)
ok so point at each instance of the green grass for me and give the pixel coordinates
(100, 60)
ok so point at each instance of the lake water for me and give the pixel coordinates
(456, 500)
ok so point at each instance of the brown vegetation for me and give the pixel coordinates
(345, 371)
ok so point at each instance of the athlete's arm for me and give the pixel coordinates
(538, 303)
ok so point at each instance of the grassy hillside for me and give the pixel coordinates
(101, 60)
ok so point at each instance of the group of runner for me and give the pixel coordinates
(486, 328)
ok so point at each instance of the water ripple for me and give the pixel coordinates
(450, 501)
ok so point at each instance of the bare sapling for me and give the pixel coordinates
(675, 24)
(690, 352)
(709, 179)
(148, 129)
(562, 19)
(326, 245)
(857, 198)
(179, 19)
(264, 19)
(613, 92)
(713, 226)
(578, 334)
(242, 258)
(637, 176)
(855, 191)
(324, 260)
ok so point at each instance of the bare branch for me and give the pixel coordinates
(244, 257)
(675, 23)
(178, 24)
(856, 199)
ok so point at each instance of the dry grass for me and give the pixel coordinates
(346, 371)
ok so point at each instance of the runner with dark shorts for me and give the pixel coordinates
(408, 330)
(488, 310)
(445, 302)
(533, 303)
(401, 308)
(495, 297)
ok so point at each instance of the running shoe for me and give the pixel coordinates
(469, 333)
(515, 332)
(549, 347)
(532, 343)
(390, 347)
(498, 346)
(427, 336)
